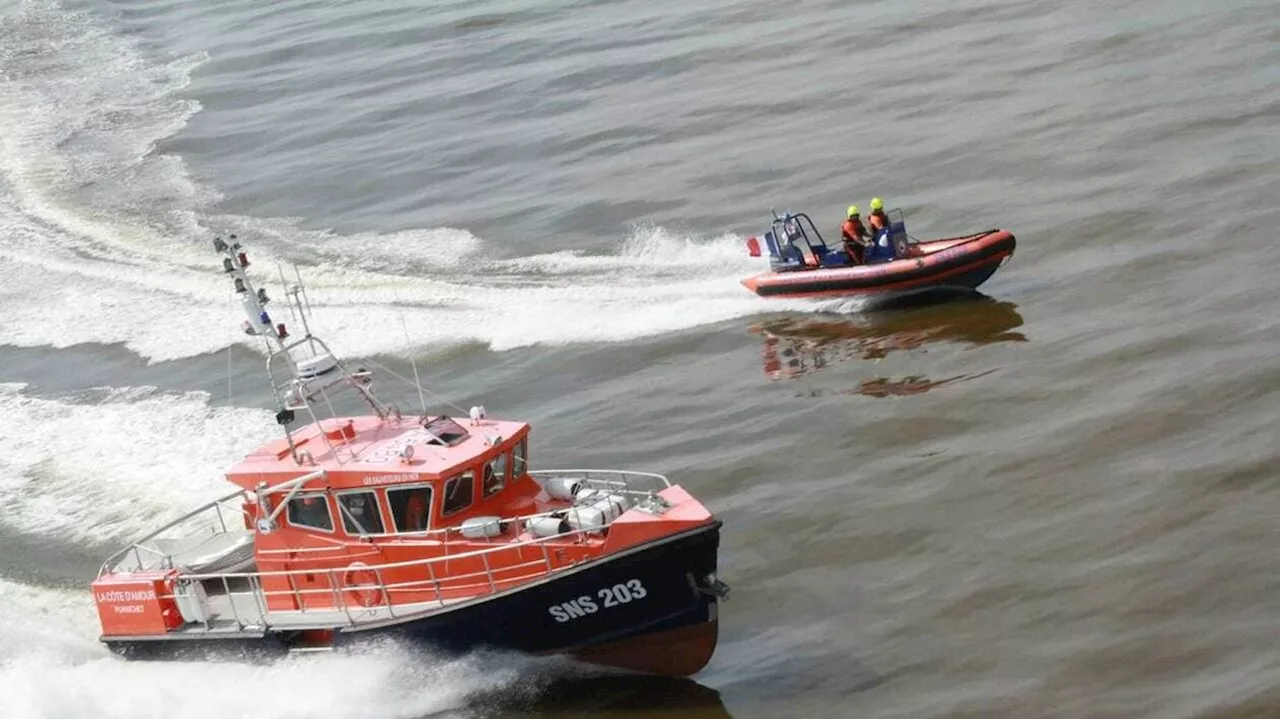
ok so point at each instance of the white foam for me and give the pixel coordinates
(105, 240)
(118, 464)
(407, 252)
(71, 469)
(51, 667)
(80, 114)
(93, 221)
(656, 283)
(55, 625)
(400, 252)
(176, 311)
(648, 252)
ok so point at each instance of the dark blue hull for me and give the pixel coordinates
(580, 612)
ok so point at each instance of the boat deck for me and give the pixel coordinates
(240, 613)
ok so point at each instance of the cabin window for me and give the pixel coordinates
(360, 513)
(520, 463)
(458, 492)
(410, 508)
(495, 475)
(310, 511)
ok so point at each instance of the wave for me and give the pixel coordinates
(111, 464)
(107, 240)
(51, 666)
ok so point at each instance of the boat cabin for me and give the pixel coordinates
(373, 491)
(384, 478)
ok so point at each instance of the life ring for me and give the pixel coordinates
(362, 586)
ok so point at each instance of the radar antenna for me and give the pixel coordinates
(310, 369)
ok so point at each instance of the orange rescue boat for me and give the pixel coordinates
(422, 528)
(801, 264)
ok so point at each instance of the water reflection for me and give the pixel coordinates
(795, 346)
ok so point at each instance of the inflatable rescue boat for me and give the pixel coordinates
(801, 264)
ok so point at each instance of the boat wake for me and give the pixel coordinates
(51, 666)
(103, 234)
(69, 474)
(70, 471)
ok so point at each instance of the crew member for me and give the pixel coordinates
(415, 511)
(878, 220)
(855, 235)
(880, 248)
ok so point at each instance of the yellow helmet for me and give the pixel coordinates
(877, 203)
(853, 210)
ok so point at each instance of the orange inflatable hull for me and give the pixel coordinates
(956, 262)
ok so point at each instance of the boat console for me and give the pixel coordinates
(795, 244)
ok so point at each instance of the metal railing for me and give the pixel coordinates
(633, 485)
(210, 518)
(428, 582)
(618, 481)
(376, 600)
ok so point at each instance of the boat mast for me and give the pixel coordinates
(310, 367)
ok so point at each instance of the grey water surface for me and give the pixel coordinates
(1055, 500)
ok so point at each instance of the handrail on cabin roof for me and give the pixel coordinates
(296, 483)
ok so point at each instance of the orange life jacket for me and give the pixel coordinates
(853, 230)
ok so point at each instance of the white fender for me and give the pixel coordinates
(562, 488)
(545, 526)
(481, 527)
(586, 519)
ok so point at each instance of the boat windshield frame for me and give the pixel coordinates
(790, 227)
